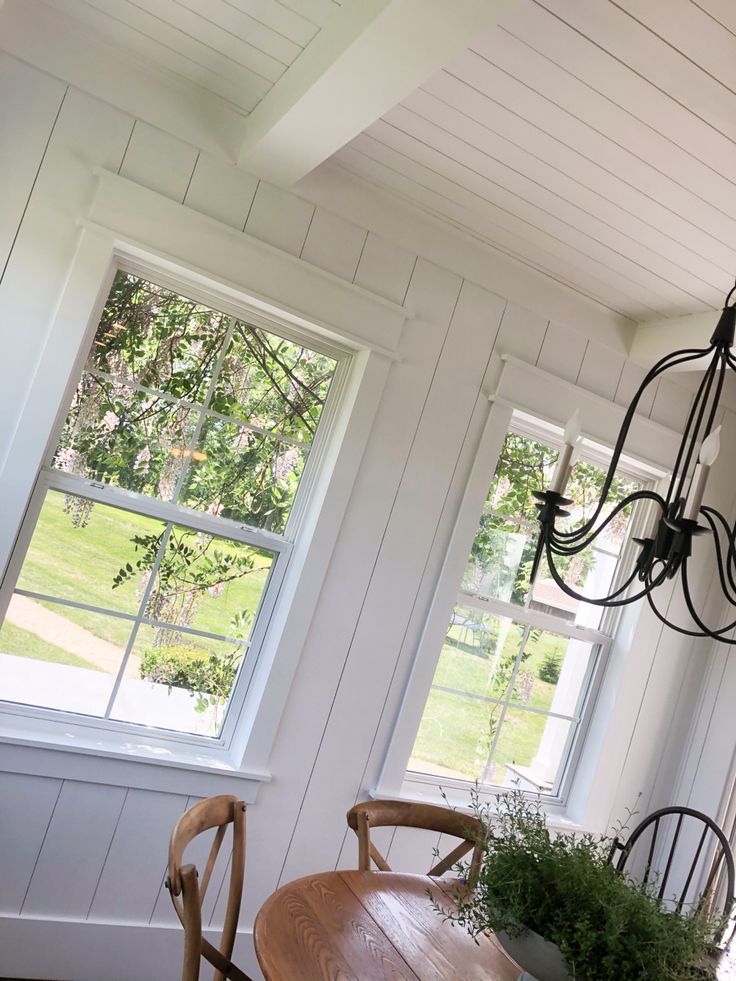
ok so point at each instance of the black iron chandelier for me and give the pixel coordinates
(666, 546)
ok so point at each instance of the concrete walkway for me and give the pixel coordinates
(54, 628)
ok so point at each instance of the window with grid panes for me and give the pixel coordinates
(518, 662)
(158, 532)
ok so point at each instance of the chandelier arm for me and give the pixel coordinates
(715, 634)
(673, 626)
(692, 427)
(608, 600)
(668, 361)
(565, 537)
(725, 569)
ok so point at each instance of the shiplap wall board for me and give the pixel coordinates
(360, 645)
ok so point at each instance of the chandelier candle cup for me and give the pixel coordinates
(708, 455)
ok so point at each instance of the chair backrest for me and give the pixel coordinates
(187, 893)
(683, 844)
(393, 813)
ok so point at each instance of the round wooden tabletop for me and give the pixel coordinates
(340, 926)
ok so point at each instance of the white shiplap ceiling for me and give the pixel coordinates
(592, 139)
(234, 49)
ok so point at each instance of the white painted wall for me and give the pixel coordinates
(82, 863)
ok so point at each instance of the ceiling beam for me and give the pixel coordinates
(656, 338)
(367, 58)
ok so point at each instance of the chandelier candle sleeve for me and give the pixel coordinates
(708, 455)
(565, 459)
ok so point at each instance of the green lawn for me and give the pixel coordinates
(23, 643)
(455, 731)
(80, 563)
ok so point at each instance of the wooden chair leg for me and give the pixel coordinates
(192, 921)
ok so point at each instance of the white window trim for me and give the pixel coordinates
(189, 249)
(549, 400)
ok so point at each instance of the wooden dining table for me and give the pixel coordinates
(360, 926)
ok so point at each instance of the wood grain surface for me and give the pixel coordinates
(360, 926)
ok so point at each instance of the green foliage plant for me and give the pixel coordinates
(206, 676)
(563, 887)
(549, 669)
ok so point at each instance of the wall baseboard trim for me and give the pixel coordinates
(87, 950)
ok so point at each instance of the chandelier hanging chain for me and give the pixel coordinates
(666, 546)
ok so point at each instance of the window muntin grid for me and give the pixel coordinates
(472, 715)
(138, 441)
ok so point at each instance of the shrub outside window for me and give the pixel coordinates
(519, 662)
(158, 533)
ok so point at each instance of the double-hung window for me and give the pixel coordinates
(519, 664)
(160, 527)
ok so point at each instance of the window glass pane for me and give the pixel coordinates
(479, 653)
(79, 549)
(126, 438)
(181, 681)
(553, 672)
(243, 475)
(529, 751)
(454, 737)
(48, 660)
(206, 582)
(154, 337)
(500, 560)
(273, 383)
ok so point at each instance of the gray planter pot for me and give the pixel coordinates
(537, 956)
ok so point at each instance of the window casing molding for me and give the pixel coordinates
(544, 402)
(243, 748)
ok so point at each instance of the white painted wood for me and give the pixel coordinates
(404, 224)
(610, 26)
(334, 244)
(671, 404)
(654, 339)
(130, 877)
(294, 24)
(372, 657)
(271, 278)
(182, 51)
(631, 378)
(220, 190)
(549, 397)
(88, 133)
(45, 37)
(538, 148)
(78, 838)
(159, 161)
(29, 104)
(85, 951)
(601, 370)
(421, 184)
(531, 199)
(231, 33)
(317, 11)
(279, 218)
(521, 334)
(640, 116)
(26, 807)
(384, 268)
(324, 101)
(413, 850)
(562, 352)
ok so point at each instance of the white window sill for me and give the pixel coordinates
(62, 750)
(426, 792)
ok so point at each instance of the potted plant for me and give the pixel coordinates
(563, 911)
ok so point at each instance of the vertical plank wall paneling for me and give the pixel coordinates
(87, 134)
(74, 850)
(98, 852)
(158, 160)
(26, 806)
(372, 654)
(30, 122)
